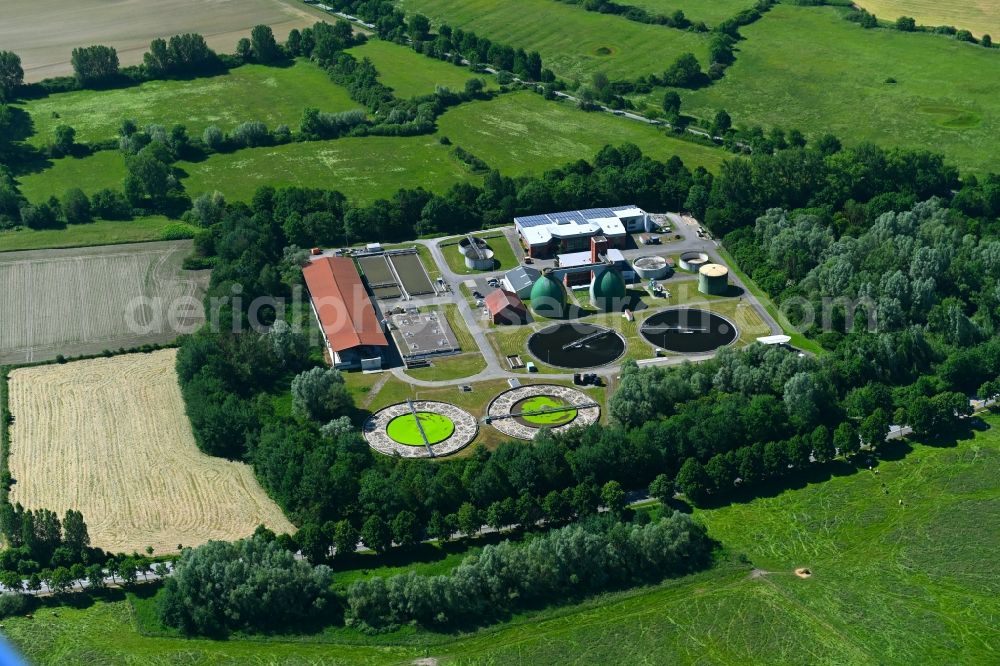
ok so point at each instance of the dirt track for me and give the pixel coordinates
(45, 32)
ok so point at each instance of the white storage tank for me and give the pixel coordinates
(655, 268)
(477, 253)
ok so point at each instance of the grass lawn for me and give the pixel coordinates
(103, 169)
(523, 133)
(274, 95)
(450, 367)
(980, 18)
(363, 168)
(808, 68)
(573, 42)
(548, 419)
(406, 429)
(409, 73)
(459, 328)
(99, 232)
(712, 12)
(503, 254)
(892, 583)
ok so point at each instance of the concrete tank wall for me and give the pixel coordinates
(692, 261)
(483, 263)
(477, 258)
(651, 268)
(713, 279)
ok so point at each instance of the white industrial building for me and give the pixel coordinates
(570, 231)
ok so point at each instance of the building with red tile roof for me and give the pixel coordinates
(351, 328)
(505, 307)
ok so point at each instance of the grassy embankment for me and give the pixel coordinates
(100, 232)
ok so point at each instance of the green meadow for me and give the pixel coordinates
(573, 42)
(98, 232)
(808, 68)
(519, 133)
(900, 568)
(103, 169)
(712, 12)
(274, 95)
(363, 168)
(409, 73)
(522, 133)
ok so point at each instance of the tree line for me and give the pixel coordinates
(563, 563)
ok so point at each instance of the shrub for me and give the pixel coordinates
(110, 205)
(685, 72)
(580, 559)
(250, 134)
(76, 206)
(176, 231)
(213, 138)
(12, 604)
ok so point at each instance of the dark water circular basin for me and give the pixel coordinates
(576, 346)
(688, 330)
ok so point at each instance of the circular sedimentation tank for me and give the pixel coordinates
(607, 291)
(544, 411)
(692, 261)
(713, 279)
(688, 330)
(525, 411)
(477, 253)
(651, 268)
(443, 429)
(548, 296)
(404, 429)
(576, 346)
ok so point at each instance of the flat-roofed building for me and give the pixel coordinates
(570, 231)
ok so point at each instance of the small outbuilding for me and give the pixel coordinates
(520, 280)
(505, 307)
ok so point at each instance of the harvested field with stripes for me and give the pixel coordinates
(110, 438)
(81, 301)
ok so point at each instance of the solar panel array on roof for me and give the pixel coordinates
(578, 216)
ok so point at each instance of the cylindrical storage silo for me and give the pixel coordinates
(713, 279)
(692, 261)
(654, 268)
(478, 255)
